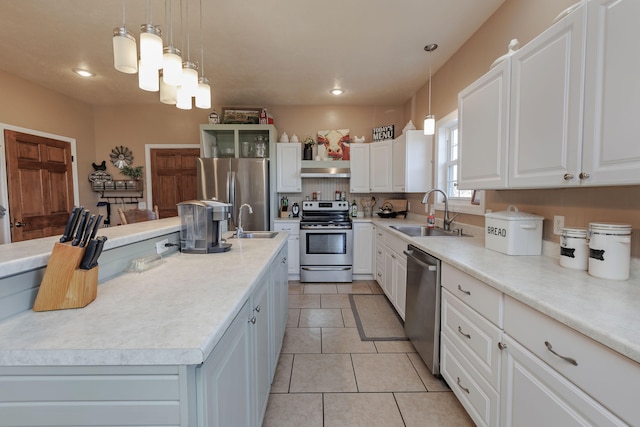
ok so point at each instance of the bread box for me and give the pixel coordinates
(513, 232)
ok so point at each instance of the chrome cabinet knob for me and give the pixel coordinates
(568, 177)
(584, 176)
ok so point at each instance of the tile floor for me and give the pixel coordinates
(327, 376)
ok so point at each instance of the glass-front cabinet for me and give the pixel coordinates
(239, 141)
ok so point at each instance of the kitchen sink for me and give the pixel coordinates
(424, 231)
(256, 235)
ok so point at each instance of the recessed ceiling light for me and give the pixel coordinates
(82, 72)
(336, 91)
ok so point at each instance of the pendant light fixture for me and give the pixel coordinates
(125, 57)
(150, 42)
(429, 119)
(203, 93)
(168, 93)
(148, 78)
(171, 59)
(189, 82)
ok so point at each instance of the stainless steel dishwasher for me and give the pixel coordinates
(422, 312)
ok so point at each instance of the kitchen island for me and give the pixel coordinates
(193, 341)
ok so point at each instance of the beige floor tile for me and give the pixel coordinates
(293, 318)
(321, 318)
(433, 409)
(304, 301)
(394, 347)
(320, 289)
(344, 340)
(295, 287)
(322, 373)
(375, 288)
(385, 372)
(302, 340)
(348, 318)
(294, 410)
(360, 287)
(335, 301)
(431, 382)
(361, 410)
(282, 376)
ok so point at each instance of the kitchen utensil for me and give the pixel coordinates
(96, 226)
(81, 227)
(71, 223)
(89, 253)
(87, 231)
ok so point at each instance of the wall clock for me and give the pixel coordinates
(121, 156)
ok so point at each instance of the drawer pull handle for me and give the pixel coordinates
(258, 308)
(463, 291)
(462, 333)
(501, 345)
(466, 390)
(568, 359)
(253, 320)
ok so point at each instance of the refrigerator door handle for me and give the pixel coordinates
(232, 197)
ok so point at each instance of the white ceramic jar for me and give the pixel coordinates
(574, 249)
(609, 250)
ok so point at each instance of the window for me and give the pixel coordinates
(446, 165)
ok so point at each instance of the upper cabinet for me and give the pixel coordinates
(412, 162)
(359, 181)
(288, 161)
(380, 166)
(571, 115)
(546, 106)
(240, 141)
(611, 153)
(483, 126)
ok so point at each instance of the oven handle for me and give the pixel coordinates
(325, 268)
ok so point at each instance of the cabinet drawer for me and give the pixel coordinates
(396, 244)
(606, 375)
(481, 297)
(293, 227)
(380, 235)
(476, 395)
(475, 337)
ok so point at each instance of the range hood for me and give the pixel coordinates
(325, 172)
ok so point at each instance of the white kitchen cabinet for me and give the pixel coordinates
(483, 117)
(611, 154)
(391, 268)
(225, 140)
(280, 312)
(363, 248)
(546, 106)
(289, 164)
(380, 167)
(359, 164)
(412, 162)
(293, 243)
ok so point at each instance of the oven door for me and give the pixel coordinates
(326, 247)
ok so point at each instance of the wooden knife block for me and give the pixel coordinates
(64, 284)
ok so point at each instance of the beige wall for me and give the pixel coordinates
(33, 107)
(524, 20)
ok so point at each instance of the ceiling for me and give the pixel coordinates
(267, 52)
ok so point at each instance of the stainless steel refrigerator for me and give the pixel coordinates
(237, 181)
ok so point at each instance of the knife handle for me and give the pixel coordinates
(99, 246)
(89, 253)
(71, 222)
(87, 231)
(96, 226)
(81, 226)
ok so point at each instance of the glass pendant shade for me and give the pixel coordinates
(125, 56)
(168, 93)
(429, 124)
(203, 94)
(172, 66)
(148, 78)
(151, 46)
(184, 98)
(189, 77)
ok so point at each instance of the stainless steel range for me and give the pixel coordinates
(326, 242)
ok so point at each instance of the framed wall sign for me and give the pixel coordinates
(241, 116)
(383, 133)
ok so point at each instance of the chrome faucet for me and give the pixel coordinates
(240, 230)
(446, 222)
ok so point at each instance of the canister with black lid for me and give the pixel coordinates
(609, 250)
(574, 249)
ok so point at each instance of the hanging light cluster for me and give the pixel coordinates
(161, 68)
(429, 124)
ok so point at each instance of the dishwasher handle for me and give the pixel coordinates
(429, 267)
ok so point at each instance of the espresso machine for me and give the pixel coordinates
(200, 226)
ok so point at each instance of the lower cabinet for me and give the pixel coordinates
(293, 227)
(363, 248)
(510, 365)
(391, 268)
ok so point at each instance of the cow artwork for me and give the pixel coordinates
(335, 144)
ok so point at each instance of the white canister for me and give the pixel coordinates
(574, 249)
(609, 250)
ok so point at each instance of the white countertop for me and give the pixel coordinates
(173, 314)
(606, 310)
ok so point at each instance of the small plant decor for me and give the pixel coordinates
(133, 172)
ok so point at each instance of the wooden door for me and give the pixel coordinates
(40, 179)
(173, 177)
